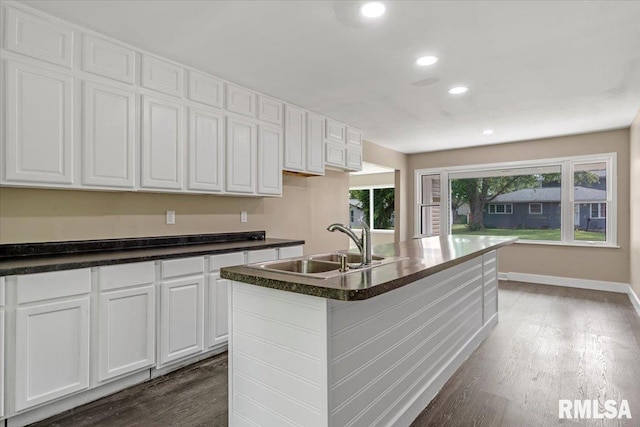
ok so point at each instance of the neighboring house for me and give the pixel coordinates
(539, 208)
(356, 213)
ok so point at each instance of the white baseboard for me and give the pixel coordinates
(570, 282)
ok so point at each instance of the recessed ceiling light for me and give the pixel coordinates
(373, 9)
(426, 60)
(487, 132)
(458, 90)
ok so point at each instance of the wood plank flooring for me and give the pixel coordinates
(551, 343)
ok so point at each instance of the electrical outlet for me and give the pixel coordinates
(243, 216)
(171, 217)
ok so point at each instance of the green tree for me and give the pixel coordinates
(383, 206)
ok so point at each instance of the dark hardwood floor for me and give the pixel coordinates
(551, 343)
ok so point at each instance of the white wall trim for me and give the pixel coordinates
(570, 282)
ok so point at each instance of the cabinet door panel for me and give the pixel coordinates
(354, 136)
(269, 160)
(241, 100)
(294, 139)
(108, 59)
(39, 125)
(161, 144)
(206, 131)
(205, 89)
(35, 37)
(335, 132)
(315, 144)
(241, 156)
(162, 76)
(108, 136)
(181, 319)
(126, 331)
(218, 310)
(335, 155)
(52, 351)
(270, 110)
(354, 159)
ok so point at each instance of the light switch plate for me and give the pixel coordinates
(243, 216)
(171, 217)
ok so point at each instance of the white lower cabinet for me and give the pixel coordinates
(126, 331)
(218, 310)
(52, 351)
(181, 318)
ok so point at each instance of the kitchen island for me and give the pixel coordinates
(368, 347)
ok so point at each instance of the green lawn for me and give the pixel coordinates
(530, 234)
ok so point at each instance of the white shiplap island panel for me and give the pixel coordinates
(300, 360)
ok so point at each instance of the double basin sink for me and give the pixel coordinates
(324, 265)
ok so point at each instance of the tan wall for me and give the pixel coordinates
(606, 264)
(307, 207)
(383, 156)
(635, 204)
(388, 178)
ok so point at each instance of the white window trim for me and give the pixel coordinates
(536, 213)
(495, 210)
(599, 204)
(567, 237)
(373, 187)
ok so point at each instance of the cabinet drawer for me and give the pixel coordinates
(58, 284)
(122, 276)
(290, 252)
(262, 255)
(182, 267)
(216, 262)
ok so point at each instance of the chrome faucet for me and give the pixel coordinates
(363, 244)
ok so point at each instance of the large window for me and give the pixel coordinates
(563, 201)
(374, 205)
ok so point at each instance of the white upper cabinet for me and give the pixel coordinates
(241, 156)
(354, 136)
(108, 137)
(162, 76)
(270, 110)
(335, 132)
(108, 59)
(39, 123)
(162, 147)
(206, 89)
(240, 100)
(35, 37)
(294, 139)
(206, 150)
(269, 160)
(335, 155)
(354, 159)
(315, 144)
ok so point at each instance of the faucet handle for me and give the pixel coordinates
(365, 226)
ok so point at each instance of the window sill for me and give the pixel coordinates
(580, 245)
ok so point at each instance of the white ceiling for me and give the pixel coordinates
(534, 68)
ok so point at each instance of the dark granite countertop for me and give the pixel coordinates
(53, 256)
(424, 257)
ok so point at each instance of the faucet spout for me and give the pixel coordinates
(363, 244)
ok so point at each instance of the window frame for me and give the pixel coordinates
(495, 209)
(599, 208)
(541, 208)
(567, 200)
(371, 189)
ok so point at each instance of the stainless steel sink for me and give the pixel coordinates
(304, 266)
(351, 257)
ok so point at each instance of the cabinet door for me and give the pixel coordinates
(52, 351)
(35, 37)
(240, 100)
(206, 142)
(269, 160)
(354, 159)
(354, 137)
(39, 125)
(126, 331)
(335, 132)
(205, 89)
(241, 156)
(1, 363)
(315, 144)
(335, 154)
(270, 110)
(218, 312)
(161, 144)
(181, 318)
(162, 76)
(294, 139)
(108, 136)
(108, 59)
